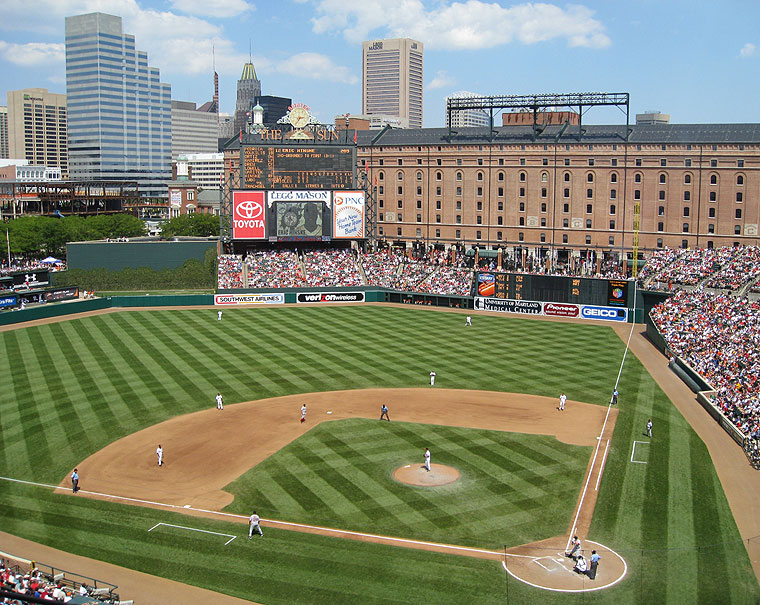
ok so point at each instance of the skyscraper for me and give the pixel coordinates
(193, 131)
(119, 110)
(37, 127)
(248, 88)
(392, 83)
(3, 132)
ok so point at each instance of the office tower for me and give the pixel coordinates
(37, 127)
(467, 117)
(248, 88)
(119, 110)
(3, 132)
(274, 108)
(206, 169)
(193, 131)
(392, 79)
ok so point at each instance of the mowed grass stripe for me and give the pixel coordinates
(164, 371)
(209, 355)
(680, 513)
(123, 379)
(165, 340)
(37, 450)
(68, 418)
(106, 391)
(238, 368)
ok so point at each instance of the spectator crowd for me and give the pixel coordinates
(729, 268)
(719, 337)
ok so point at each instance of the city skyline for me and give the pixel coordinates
(677, 57)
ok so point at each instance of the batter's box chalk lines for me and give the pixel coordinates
(204, 531)
(633, 452)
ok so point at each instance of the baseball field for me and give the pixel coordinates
(99, 392)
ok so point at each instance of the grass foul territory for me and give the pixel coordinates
(68, 389)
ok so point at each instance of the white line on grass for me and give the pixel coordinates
(601, 468)
(599, 439)
(205, 531)
(633, 451)
(271, 521)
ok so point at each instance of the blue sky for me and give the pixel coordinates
(698, 60)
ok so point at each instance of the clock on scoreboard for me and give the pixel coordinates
(551, 288)
(298, 167)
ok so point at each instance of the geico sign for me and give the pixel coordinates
(603, 313)
(248, 215)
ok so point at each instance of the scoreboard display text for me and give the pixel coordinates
(313, 167)
(548, 288)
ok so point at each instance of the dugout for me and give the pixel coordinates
(149, 252)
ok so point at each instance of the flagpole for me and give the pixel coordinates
(8, 241)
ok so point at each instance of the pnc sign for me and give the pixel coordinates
(248, 215)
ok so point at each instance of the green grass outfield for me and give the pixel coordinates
(513, 488)
(68, 389)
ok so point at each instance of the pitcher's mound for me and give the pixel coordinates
(415, 474)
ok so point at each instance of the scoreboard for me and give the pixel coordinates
(549, 288)
(298, 168)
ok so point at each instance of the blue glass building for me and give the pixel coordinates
(119, 110)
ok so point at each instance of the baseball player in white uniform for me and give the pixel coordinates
(219, 316)
(649, 428)
(432, 379)
(468, 321)
(303, 413)
(254, 525)
(160, 454)
(427, 459)
(219, 402)
(562, 399)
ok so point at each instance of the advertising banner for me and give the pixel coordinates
(8, 301)
(605, 313)
(248, 215)
(525, 307)
(348, 214)
(275, 298)
(561, 309)
(486, 284)
(61, 294)
(330, 297)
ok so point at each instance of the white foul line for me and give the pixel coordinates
(205, 531)
(590, 472)
(633, 451)
(601, 468)
(270, 521)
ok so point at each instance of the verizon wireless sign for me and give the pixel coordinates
(276, 298)
(330, 297)
(249, 217)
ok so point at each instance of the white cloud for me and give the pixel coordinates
(472, 24)
(748, 50)
(316, 67)
(213, 8)
(176, 44)
(33, 54)
(441, 80)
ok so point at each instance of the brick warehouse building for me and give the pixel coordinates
(697, 185)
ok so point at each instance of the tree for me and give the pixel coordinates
(191, 225)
